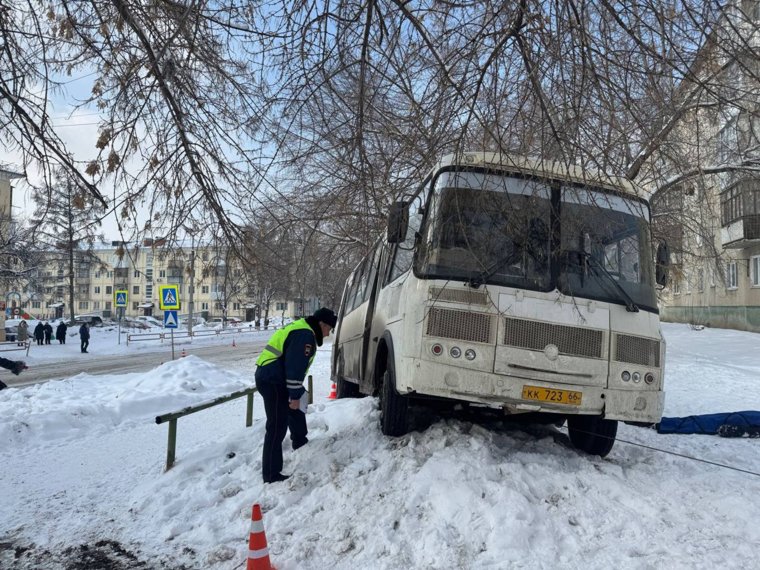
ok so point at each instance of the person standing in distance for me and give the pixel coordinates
(280, 372)
(84, 336)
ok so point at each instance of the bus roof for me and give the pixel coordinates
(542, 168)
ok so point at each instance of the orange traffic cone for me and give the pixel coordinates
(184, 354)
(258, 553)
(333, 392)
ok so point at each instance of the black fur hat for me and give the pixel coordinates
(326, 316)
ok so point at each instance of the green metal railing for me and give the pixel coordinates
(174, 416)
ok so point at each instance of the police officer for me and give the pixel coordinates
(280, 372)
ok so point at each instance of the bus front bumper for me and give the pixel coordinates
(518, 394)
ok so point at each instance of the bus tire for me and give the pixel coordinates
(346, 389)
(592, 434)
(394, 408)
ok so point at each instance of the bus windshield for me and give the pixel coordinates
(488, 228)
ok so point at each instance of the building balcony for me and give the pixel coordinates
(742, 232)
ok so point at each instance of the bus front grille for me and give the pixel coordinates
(637, 350)
(459, 325)
(458, 296)
(571, 341)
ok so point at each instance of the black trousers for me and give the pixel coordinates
(279, 418)
(85, 344)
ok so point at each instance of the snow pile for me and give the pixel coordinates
(456, 495)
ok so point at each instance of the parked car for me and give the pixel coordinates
(150, 321)
(231, 321)
(11, 329)
(197, 320)
(92, 320)
(127, 322)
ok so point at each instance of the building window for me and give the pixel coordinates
(149, 291)
(204, 289)
(35, 304)
(136, 290)
(108, 305)
(96, 305)
(235, 306)
(97, 290)
(754, 263)
(700, 279)
(687, 283)
(280, 306)
(204, 306)
(109, 290)
(136, 274)
(162, 273)
(83, 305)
(135, 305)
(84, 289)
(731, 276)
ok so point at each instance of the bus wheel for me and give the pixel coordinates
(394, 408)
(592, 434)
(346, 389)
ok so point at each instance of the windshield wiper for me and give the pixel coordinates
(630, 304)
(482, 277)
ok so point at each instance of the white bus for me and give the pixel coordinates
(513, 284)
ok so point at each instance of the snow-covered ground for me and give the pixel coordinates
(84, 486)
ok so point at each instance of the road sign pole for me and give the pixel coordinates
(172, 344)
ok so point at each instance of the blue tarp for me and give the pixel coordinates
(732, 424)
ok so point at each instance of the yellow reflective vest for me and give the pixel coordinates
(274, 348)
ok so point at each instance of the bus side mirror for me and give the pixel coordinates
(662, 264)
(398, 221)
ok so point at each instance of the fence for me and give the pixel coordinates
(8, 346)
(172, 417)
(184, 334)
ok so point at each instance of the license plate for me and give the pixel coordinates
(569, 397)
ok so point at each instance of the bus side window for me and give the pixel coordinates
(351, 291)
(370, 271)
(361, 284)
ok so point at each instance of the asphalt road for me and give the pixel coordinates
(241, 358)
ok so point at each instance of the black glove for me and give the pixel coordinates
(18, 366)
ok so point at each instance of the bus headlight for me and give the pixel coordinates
(455, 352)
(626, 376)
(469, 354)
(437, 349)
(636, 376)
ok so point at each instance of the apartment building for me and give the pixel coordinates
(208, 286)
(712, 221)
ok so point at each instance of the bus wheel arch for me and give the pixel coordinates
(344, 388)
(394, 408)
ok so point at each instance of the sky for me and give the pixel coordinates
(83, 474)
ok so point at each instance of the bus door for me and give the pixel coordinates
(357, 319)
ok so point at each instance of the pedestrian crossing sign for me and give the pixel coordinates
(168, 298)
(170, 320)
(122, 296)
